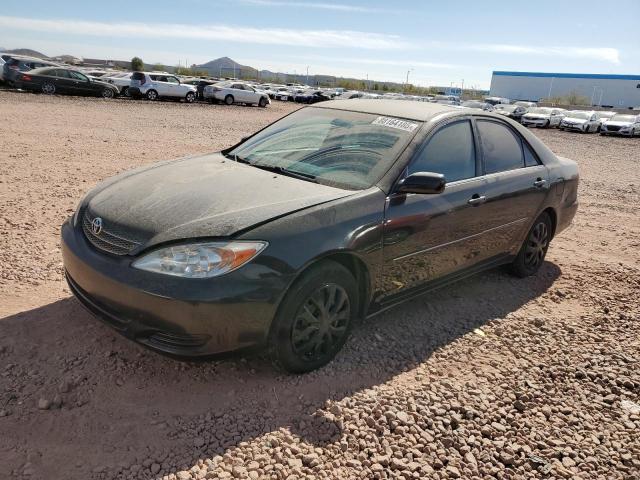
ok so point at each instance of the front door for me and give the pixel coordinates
(428, 236)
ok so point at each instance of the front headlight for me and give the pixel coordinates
(200, 260)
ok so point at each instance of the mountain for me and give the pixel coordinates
(225, 67)
(27, 52)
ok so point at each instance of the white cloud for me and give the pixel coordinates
(268, 36)
(605, 54)
(339, 7)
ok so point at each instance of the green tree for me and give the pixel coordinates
(158, 67)
(137, 64)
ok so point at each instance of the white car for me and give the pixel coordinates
(544, 117)
(581, 121)
(621, 124)
(522, 103)
(236, 92)
(121, 80)
(606, 115)
(160, 85)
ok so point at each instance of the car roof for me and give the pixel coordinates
(420, 111)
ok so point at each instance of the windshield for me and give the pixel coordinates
(580, 115)
(540, 111)
(472, 104)
(333, 147)
(623, 118)
(506, 108)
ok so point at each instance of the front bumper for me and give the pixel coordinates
(627, 133)
(180, 317)
(572, 127)
(538, 122)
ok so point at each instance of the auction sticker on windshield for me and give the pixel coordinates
(395, 123)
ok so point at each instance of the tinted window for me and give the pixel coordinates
(77, 76)
(450, 151)
(63, 73)
(501, 149)
(137, 76)
(530, 158)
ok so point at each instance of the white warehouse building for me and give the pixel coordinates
(617, 91)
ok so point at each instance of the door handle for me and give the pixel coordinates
(539, 183)
(477, 199)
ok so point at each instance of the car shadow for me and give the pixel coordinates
(123, 408)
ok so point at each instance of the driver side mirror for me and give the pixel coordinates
(422, 183)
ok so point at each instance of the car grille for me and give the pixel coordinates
(110, 239)
(613, 128)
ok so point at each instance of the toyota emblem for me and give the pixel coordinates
(96, 226)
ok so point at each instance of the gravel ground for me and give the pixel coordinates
(491, 378)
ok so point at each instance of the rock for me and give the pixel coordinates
(44, 404)
(519, 405)
(183, 475)
(310, 460)
(506, 458)
(198, 442)
(239, 472)
(336, 409)
(568, 462)
(452, 471)
(155, 468)
(294, 462)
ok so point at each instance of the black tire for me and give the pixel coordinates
(262, 103)
(547, 125)
(151, 95)
(190, 97)
(125, 92)
(107, 93)
(228, 100)
(534, 249)
(48, 88)
(314, 319)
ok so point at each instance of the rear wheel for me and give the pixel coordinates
(190, 97)
(152, 95)
(547, 124)
(315, 319)
(229, 99)
(534, 249)
(263, 102)
(48, 88)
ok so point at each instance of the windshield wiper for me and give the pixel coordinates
(236, 158)
(285, 171)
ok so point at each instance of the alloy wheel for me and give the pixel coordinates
(48, 88)
(321, 323)
(107, 93)
(537, 244)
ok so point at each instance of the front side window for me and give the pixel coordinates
(172, 80)
(450, 151)
(332, 147)
(501, 149)
(78, 76)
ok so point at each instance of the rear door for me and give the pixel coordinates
(428, 236)
(516, 184)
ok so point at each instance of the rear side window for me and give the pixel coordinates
(530, 158)
(450, 151)
(501, 149)
(137, 76)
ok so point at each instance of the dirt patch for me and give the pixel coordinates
(491, 377)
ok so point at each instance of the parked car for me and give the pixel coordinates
(621, 124)
(200, 85)
(121, 80)
(446, 99)
(153, 86)
(312, 96)
(544, 117)
(15, 64)
(512, 111)
(524, 104)
(2, 62)
(323, 217)
(497, 100)
(236, 92)
(605, 115)
(282, 94)
(581, 121)
(487, 107)
(52, 80)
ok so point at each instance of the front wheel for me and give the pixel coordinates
(314, 319)
(190, 97)
(48, 88)
(152, 95)
(534, 249)
(107, 93)
(228, 99)
(263, 102)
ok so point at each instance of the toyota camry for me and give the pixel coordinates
(333, 213)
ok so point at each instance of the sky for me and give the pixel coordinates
(434, 43)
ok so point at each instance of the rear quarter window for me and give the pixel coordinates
(137, 76)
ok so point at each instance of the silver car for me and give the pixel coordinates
(621, 124)
(544, 117)
(236, 92)
(581, 121)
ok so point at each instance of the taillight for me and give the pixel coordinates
(26, 78)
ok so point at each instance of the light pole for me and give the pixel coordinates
(406, 84)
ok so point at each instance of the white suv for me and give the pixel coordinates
(236, 92)
(160, 85)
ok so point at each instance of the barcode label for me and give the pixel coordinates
(395, 123)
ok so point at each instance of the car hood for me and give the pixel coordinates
(536, 115)
(609, 123)
(574, 120)
(207, 196)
